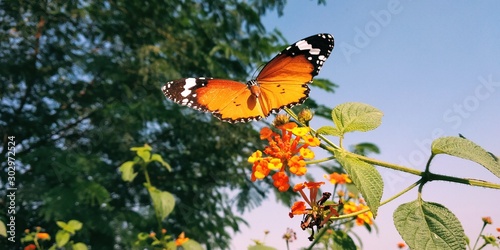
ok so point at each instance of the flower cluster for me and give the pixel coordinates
(318, 212)
(286, 153)
(361, 219)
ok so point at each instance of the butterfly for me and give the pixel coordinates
(281, 83)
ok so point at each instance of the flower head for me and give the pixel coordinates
(181, 239)
(290, 235)
(318, 214)
(43, 236)
(401, 245)
(487, 220)
(362, 218)
(336, 178)
(286, 153)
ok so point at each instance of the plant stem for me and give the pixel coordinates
(479, 235)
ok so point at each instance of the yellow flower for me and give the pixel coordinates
(275, 164)
(257, 155)
(307, 153)
(300, 131)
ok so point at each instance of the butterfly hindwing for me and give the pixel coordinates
(281, 83)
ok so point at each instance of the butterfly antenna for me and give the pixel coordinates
(257, 70)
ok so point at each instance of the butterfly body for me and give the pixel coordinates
(281, 83)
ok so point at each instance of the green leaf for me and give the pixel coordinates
(145, 155)
(428, 225)
(62, 237)
(329, 130)
(466, 149)
(341, 240)
(127, 169)
(71, 226)
(74, 225)
(366, 178)
(3, 229)
(163, 202)
(354, 116)
(192, 245)
(79, 246)
(261, 247)
(158, 158)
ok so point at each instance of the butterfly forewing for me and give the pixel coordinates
(281, 83)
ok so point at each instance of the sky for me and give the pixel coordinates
(433, 69)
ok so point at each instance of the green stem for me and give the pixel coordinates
(478, 236)
(149, 185)
(385, 164)
(294, 116)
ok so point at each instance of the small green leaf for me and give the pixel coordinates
(329, 130)
(61, 224)
(366, 178)
(127, 169)
(341, 240)
(62, 237)
(75, 225)
(260, 247)
(145, 147)
(428, 225)
(145, 155)
(163, 202)
(354, 116)
(3, 229)
(466, 149)
(192, 245)
(158, 158)
(79, 246)
(142, 236)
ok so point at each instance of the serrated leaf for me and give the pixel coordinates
(329, 130)
(79, 246)
(366, 178)
(466, 149)
(163, 202)
(428, 225)
(62, 237)
(354, 116)
(127, 170)
(158, 158)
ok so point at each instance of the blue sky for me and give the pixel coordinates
(433, 68)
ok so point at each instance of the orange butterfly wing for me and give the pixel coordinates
(281, 83)
(228, 100)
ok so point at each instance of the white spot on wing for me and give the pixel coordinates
(190, 82)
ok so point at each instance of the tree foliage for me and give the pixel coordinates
(79, 86)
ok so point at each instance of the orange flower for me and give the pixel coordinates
(152, 234)
(351, 207)
(281, 181)
(181, 239)
(401, 245)
(336, 178)
(487, 220)
(43, 236)
(30, 247)
(318, 214)
(286, 151)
